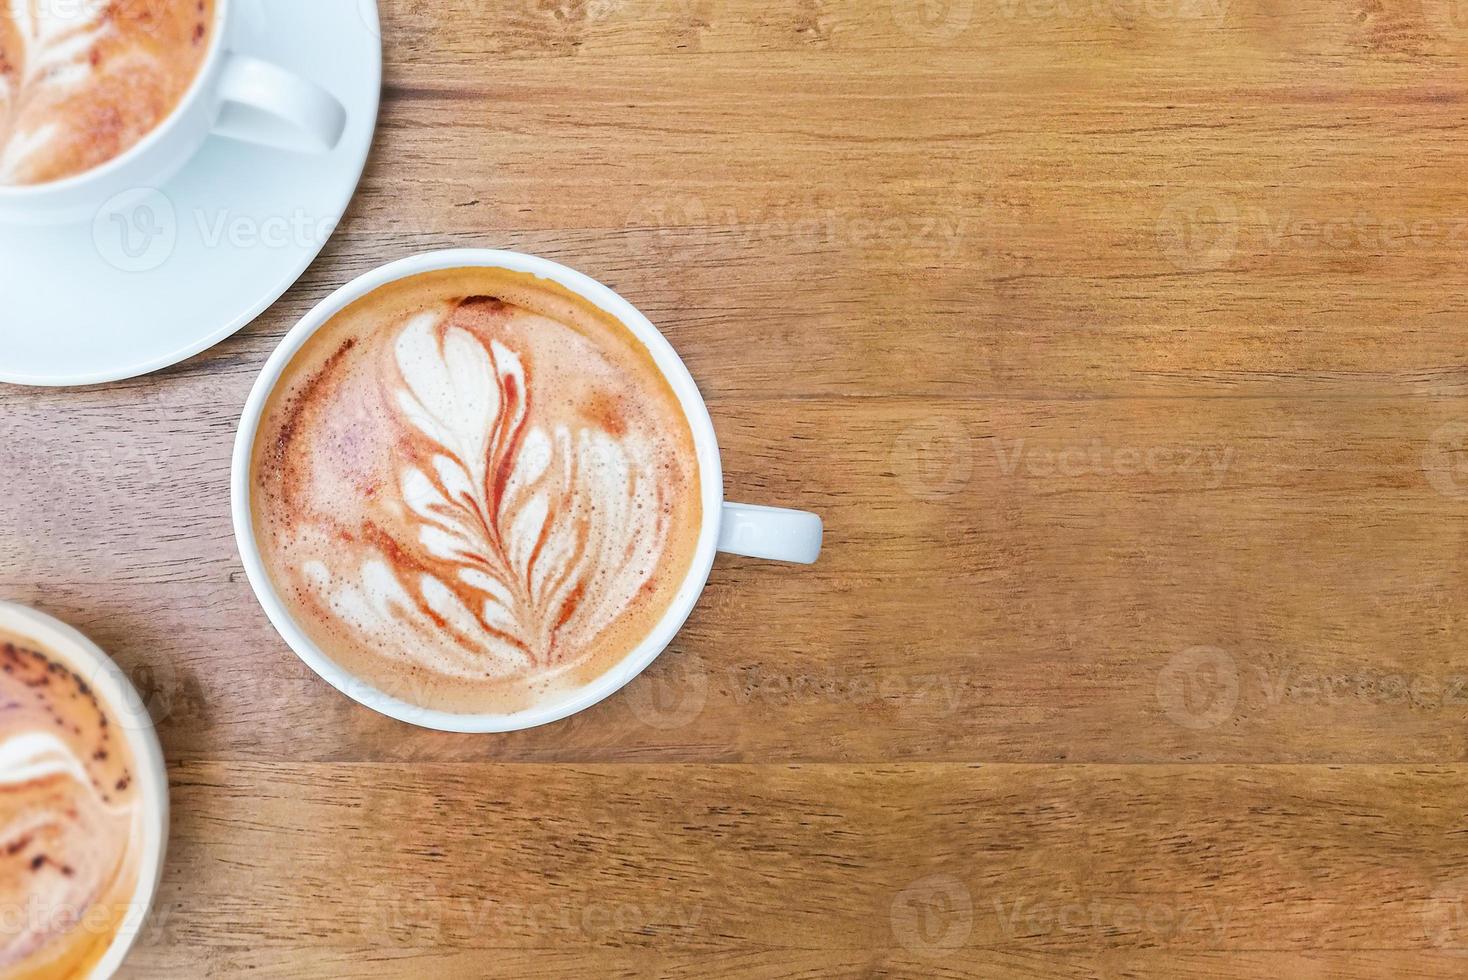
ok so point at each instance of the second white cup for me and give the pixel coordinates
(233, 95)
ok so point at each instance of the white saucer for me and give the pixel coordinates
(187, 265)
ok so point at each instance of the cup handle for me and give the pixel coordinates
(770, 532)
(263, 103)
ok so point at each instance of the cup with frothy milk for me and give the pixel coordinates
(478, 491)
(83, 803)
(101, 98)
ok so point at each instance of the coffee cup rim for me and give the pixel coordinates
(616, 677)
(104, 674)
(152, 138)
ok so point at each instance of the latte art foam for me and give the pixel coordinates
(71, 819)
(82, 81)
(471, 488)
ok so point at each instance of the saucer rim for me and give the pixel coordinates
(372, 106)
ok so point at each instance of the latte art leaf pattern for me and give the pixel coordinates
(56, 39)
(475, 492)
(533, 539)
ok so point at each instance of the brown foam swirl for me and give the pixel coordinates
(82, 81)
(71, 820)
(472, 486)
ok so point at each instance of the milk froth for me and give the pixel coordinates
(472, 488)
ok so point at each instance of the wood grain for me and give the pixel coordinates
(1122, 346)
(964, 870)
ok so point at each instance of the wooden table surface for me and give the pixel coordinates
(1123, 345)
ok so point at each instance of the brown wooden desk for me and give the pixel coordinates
(1123, 345)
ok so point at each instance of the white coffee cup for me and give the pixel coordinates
(130, 716)
(741, 529)
(232, 95)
